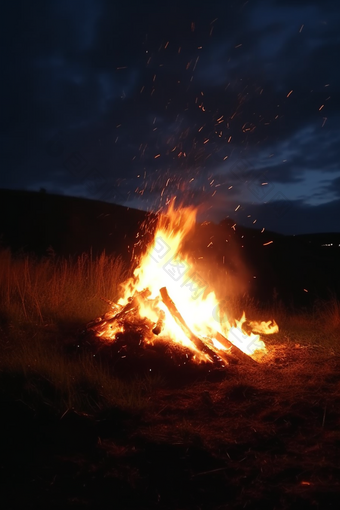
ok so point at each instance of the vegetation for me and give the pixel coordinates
(76, 434)
(44, 303)
(53, 290)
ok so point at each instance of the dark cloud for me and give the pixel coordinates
(289, 217)
(138, 101)
(333, 187)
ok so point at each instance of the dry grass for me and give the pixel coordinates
(43, 302)
(262, 437)
(54, 290)
(319, 326)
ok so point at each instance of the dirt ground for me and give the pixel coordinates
(262, 437)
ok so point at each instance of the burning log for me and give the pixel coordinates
(234, 351)
(183, 325)
(133, 303)
(160, 323)
(104, 323)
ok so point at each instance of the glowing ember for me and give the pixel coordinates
(168, 296)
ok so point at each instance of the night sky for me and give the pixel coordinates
(230, 106)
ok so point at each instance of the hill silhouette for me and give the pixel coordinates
(296, 270)
(37, 222)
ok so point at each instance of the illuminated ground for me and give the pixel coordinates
(263, 437)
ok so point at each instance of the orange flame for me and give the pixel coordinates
(163, 265)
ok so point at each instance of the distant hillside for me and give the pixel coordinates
(36, 221)
(295, 269)
(235, 259)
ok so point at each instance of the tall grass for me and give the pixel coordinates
(50, 290)
(34, 367)
(36, 293)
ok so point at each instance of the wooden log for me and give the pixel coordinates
(201, 346)
(129, 307)
(133, 303)
(234, 351)
(157, 330)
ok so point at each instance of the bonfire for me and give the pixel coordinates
(167, 300)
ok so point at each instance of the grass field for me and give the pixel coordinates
(76, 435)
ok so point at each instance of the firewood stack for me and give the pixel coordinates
(127, 318)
